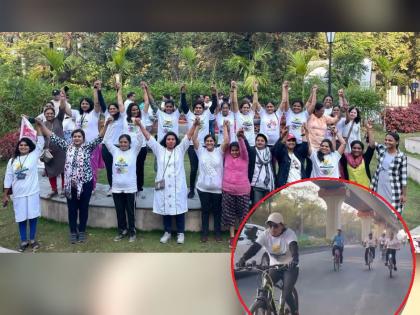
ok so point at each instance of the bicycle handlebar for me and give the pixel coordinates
(262, 268)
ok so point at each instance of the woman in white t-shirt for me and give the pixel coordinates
(124, 176)
(244, 115)
(209, 183)
(325, 161)
(350, 127)
(22, 178)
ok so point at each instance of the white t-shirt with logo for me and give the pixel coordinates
(246, 122)
(295, 168)
(88, 122)
(278, 247)
(124, 178)
(295, 121)
(117, 125)
(167, 122)
(232, 131)
(270, 125)
(327, 168)
(210, 170)
(344, 130)
(203, 129)
(134, 131)
(370, 242)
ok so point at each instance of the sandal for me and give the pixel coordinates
(23, 246)
(34, 245)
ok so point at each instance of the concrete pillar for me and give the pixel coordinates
(334, 199)
(379, 229)
(366, 226)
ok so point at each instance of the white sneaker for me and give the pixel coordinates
(181, 238)
(165, 238)
(109, 193)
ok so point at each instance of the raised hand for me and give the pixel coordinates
(255, 86)
(286, 85)
(213, 89)
(240, 133)
(117, 86)
(62, 95)
(97, 84)
(340, 93)
(183, 88)
(233, 85)
(109, 120)
(369, 124)
(197, 121)
(314, 88)
(143, 85)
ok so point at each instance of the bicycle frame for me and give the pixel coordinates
(336, 259)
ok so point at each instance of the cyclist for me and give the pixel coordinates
(370, 243)
(281, 244)
(338, 242)
(392, 244)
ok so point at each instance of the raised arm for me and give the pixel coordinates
(96, 105)
(184, 105)
(151, 102)
(97, 95)
(305, 135)
(214, 101)
(120, 101)
(234, 89)
(370, 133)
(242, 147)
(344, 105)
(284, 105)
(196, 143)
(146, 100)
(310, 104)
(62, 110)
(108, 136)
(340, 138)
(226, 135)
(191, 131)
(145, 133)
(255, 104)
(104, 129)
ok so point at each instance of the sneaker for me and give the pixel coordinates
(82, 237)
(165, 238)
(52, 194)
(132, 238)
(109, 193)
(191, 194)
(73, 238)
(181, 238)
(120, 236)
(23, 246)
(34, 245)
(204, 239)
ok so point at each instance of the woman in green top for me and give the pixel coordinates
(355, 165)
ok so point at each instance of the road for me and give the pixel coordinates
(354, 290)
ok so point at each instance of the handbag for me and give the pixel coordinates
(160, 184)
(46, 156)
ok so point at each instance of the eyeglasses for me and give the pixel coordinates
(272, 225)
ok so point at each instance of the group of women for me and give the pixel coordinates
(316, 140)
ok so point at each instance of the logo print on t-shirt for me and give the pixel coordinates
(296, 123)
(326, 167)
(272, 124)
(121, 165)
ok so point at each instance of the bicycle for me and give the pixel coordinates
(383, 251)
(336, 260)
(264, 303)
(390, 264)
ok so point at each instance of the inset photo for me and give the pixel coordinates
(323, 247)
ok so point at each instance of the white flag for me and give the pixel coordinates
(26, 130)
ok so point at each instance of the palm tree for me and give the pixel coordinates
(189, 56)
(299, 66)
(56, 60)
(254, 69)
(389, 71)
(119, 63)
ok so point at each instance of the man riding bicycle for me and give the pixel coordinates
(281, 244)
(370, 244)
(338, 243)
(392, 244)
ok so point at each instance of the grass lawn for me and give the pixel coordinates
(53, 236)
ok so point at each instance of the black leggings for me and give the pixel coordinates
(141, 158)
(125, 207)
(107, 157)
(194, 166)
(289, 277)
(210, 202)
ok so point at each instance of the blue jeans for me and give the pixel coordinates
(32, 229)
(179, 220)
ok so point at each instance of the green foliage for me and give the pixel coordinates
(299, 66)
(119, 63)
(367, 100)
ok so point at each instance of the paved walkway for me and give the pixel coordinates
(7, 251)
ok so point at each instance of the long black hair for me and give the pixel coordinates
(117, 115)
(87, 99)
(170, 133)
(394, 135)
(30, 144)
(129, 111)
(319, 154)
(357, 119)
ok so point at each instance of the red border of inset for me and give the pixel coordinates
(235, 240)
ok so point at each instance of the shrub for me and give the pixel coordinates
(8, 144)
(403, 119)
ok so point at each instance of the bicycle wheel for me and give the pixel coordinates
(390, 269)
(259, 308)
